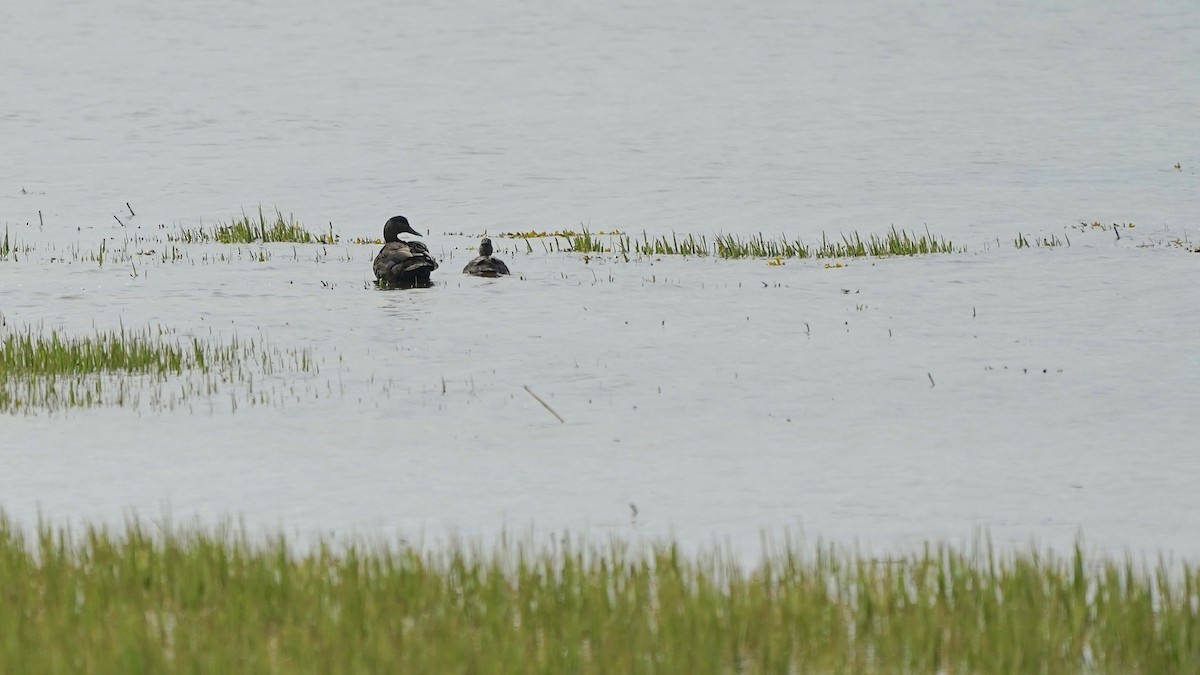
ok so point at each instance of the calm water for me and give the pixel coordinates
(681, 115)
(720, 397)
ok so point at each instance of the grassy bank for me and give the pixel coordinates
(145, 600)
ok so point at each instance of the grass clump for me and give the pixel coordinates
(894, 243)
(9, 248)
(169, 600)
(54, 371)
(585, 242)
(246, 230)
(33, 354)
(563, 234)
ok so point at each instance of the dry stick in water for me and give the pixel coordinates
(131, 213)
(118, 220)
(41, 223)
(544, 404)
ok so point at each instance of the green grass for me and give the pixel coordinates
(586, 243)
(10, 247)
(543, 234)
(36, 354)
(1050, 241)
(54, 371)
(163, 599)
(246, 230)
(894, 243)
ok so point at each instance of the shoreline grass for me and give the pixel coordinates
(176, 600)
(246, 230)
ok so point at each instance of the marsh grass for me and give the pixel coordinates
(560, 234)
(54, 371)
(246, 230)
(12, 248)
(166, 600)
(1103, 227)
(586, 243)
(894, 243)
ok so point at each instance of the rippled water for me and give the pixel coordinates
(886, 402)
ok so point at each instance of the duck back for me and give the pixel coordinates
(486, 266)
(404, 263)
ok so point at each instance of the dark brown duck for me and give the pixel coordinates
(485, 265)
(406, 264)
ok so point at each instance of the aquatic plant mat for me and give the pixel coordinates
(49, 370)
(154, 598)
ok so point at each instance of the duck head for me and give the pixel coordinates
(394, 226)
(485, 247)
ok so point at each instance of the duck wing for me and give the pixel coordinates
(485, 266)
(402, 262)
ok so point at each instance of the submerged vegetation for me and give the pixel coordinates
(246, 230)
(53, 371)
(170, 600)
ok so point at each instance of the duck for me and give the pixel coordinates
(406, 264)
(485, 265)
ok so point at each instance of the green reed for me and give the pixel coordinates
(585, 243)
(164, 599)
(247, 230)
(30, 353)
(10, 247)
(894, 243)
(52, 370)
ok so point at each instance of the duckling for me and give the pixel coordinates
(485, 265)
(406, 264)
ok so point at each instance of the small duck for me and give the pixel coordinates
(406, 264)
(485, 265)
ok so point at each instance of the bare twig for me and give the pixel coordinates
(544, 404)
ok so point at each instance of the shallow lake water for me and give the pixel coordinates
(1032, 393)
